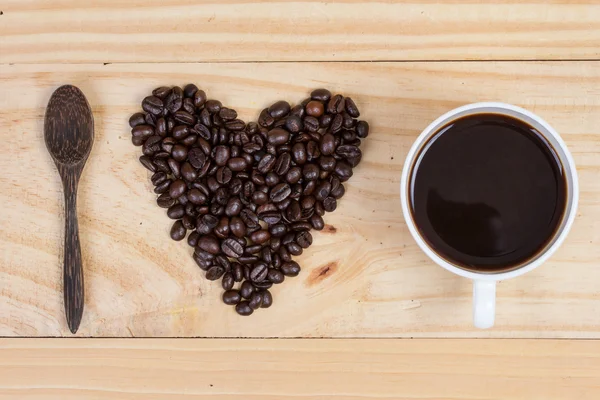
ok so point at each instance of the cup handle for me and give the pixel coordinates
(484, 303)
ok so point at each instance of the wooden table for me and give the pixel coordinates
(364, 283)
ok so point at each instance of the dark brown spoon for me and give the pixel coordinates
(69, 134)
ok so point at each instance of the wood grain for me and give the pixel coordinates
(36, 31)
(299, 369)
(364, 275)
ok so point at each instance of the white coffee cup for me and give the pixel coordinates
(484, 284)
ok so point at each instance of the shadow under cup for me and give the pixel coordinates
(489, 189)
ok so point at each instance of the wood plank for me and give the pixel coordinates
(140, 283)
(36, 31)
(298, 369)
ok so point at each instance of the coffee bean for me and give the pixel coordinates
(237, 164)
(164, 201)
(259, 272)
(246, 289)
(279, 109)
(177, 188)
(176, 211)
(243, 308)
(338, 192)
(178, 231)
(314, 108)
(158, 178)
(234, 207)
(162, 187)
(237, 227)
(362, 129)
(343, 170)
(304, 239)
(294, 248)
(260, 236)
(275, 276)
(267, 299)
(185, 118)
(311, 124)
(153, 105)
(327, 144)
(323, 190)
(330, 204)
(256, 300)
(336, 104)
(278, 136)
(214, 273)
(321, 94)
(136, 119)
(310, 172)
(290, 269)
(238, 272)
(222, 229)
(231, 297)
(213, 106)
(351, 108)
(174, 167)
(266, 163)
(209, 244)
(235, 125)
(280, 192)
(232, 248)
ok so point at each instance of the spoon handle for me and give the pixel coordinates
(73, 271)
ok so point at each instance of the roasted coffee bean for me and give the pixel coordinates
(310, 172)
(224, 175)
(351, 108)
(302, 225)
(162, 187)
(177, 188)
(232, 248)
(336, 104)
(327, 144)
(184, 118)
(362, 129)
(309, 188)
(158, 178)
(176, 211)
(223, 261)
(234, 207)
(237, 227)
(288, 238)
(283, 163)
(330, 204)
(293, 212)
(206, 223)
(253, 249)
(178, 231)
(147, 162)
(231, 297)
(277, 230)
(278, 136)
(304, 239)
(142, 131)
(293, 175)
(193, 239)
(246, 289)
(136, 119)
(311, 124)
(256, 300)
(290, 269)
(260, 236)
(174, 167)
(338, 192)
(314, 108)
(312, 150)
(238, 272)
(179, 152)
(264, 119)
(343, 170)
(249, 218)
(323, 190)
(267, 299)
(153, 105)
(294, 248)
(209, 244)
(222, 229)
(266, 163)
(227, 114)
(280, 192)
(259, 272)
(221, 196)
(221, 155)
(319, 210)
(243, 308)
(164, 201)
(271, 179)
(248, 259)
(320, 94)
(188, 172)
(213, 106)
(214, 273)
(275, 276)
(161, 92)
(279, 109)
(260, 198)
(293, 124)
(237, 164)
(199, 98)
(235, 125)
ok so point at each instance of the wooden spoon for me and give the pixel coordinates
(69, 134)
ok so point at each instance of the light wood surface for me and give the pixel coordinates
(299, 369)
(363, 277)
(34, 31)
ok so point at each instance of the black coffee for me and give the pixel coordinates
(488, 192)
(249, 193)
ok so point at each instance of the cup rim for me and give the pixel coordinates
(559, 237)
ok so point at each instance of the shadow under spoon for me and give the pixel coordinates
(69, 135)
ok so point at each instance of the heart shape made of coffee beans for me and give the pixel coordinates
(249, 193)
